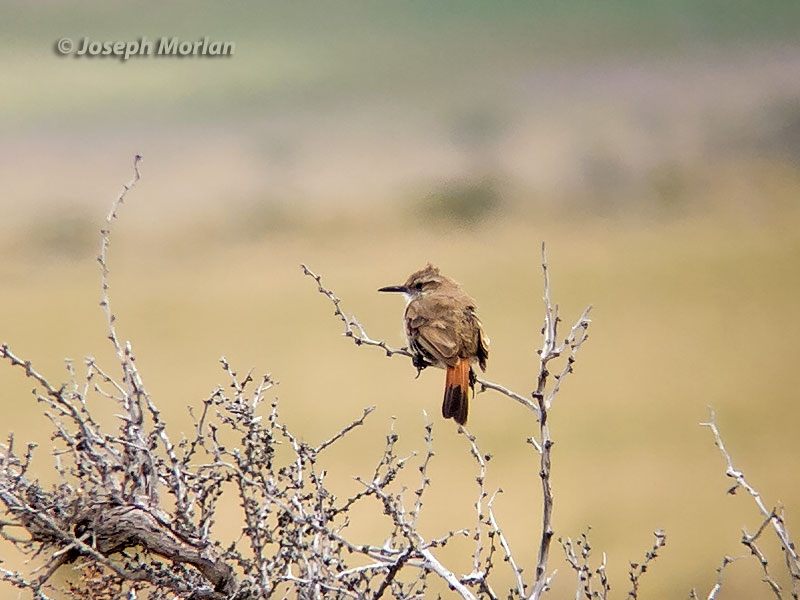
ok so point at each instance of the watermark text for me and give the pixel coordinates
(144, 47)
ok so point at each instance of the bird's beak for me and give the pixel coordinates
(394, 288)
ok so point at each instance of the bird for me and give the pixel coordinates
(444, 331)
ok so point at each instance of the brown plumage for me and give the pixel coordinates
(444, 331)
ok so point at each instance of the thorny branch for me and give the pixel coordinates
(550, 350)
(639, 569)
(542, 398)
(773, 518)
(718, 585)
(107, 515)
(294, 525)
(579, 561)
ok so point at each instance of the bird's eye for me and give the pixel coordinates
(418, 286)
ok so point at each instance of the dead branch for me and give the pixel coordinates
(135, 509)
(771, 518)
(542, 396)
(579, 561)
(550, 350)
(639, 569)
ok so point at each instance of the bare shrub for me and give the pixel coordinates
(134, 508)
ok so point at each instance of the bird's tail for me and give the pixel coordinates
(456, 392)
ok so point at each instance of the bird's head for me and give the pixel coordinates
(427, 279)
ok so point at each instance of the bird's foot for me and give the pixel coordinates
(419, 363)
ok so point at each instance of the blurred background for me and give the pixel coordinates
(654, 146)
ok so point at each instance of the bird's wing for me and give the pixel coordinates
(434, 327)
(438, 341)
(480, 342)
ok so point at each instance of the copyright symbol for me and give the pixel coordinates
(64, 46)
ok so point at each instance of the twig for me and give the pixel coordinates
(477, 574)
(103, 257)
(639, 569)
(5, 352)
(750, 542)
(505, 546)
(726, 560)
(778, 525)
(347, 429)
(425, 481)
(580, 564)
(550, 350)
(447, 575)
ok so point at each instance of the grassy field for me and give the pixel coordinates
(655, 151)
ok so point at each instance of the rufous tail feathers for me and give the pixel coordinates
(456, 392)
